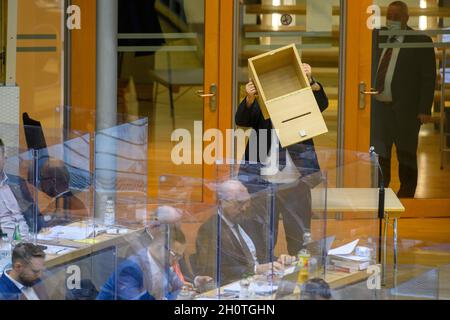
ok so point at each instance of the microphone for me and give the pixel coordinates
(381, 203)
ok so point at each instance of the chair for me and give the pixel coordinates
(174, 78)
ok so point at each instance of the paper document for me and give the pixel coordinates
(67, 233)
(345, 249)
(352, 257)
(55, 250)
(289, 270)
(261, 290)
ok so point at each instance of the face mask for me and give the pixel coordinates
(394, 25)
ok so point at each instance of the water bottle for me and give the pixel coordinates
(110, 214)
(244, 289)
(313, 268)
(17, 236)
(304, 257)
(5, 252)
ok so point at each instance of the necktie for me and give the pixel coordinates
(245, 248)
(177, 270)
(384, 66)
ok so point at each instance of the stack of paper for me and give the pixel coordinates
(67, 233)
(259, 290)
(345, 260)
(55, 250)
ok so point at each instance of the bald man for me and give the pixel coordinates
(405, 80)
(238, 252)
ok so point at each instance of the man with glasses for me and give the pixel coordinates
(16, 203)
(238, 252)
(23, 281)
(148, 274)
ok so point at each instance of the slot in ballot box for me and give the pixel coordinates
(285, 95)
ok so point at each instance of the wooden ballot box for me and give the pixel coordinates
(285, 95)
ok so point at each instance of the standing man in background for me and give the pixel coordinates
(405, 80)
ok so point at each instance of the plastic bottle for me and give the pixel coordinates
(17, 237)
(313, 268)
(303, 260)
(244, 288)
(5, 251)
(109, 218)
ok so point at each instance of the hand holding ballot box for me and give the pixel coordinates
(285, 95)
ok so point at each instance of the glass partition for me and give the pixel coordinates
(420, 157)
(121, 172)
(313, 26)
(198, 263)
(233, 233)
(53, 180)
(3, 28)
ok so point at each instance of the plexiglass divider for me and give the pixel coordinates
(251, 236)
(231, 238)
(51, 174)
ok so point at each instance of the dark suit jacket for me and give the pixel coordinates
(9, 291)
(233, 263)
(25, 201)
(414, 79)
(303, 154)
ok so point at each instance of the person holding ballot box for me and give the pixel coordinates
(295, 161)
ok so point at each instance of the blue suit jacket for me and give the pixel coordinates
(9, 291)
(130, 283)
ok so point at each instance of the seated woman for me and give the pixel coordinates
(65, 206)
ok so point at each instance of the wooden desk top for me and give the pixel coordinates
(336, 279)
(99, 243)
(355, 200)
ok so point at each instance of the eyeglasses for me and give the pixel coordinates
(174, 255)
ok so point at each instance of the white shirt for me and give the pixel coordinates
(289, 173)
(247, 239)
(28, 292)
(159, 281)
(386, 95)
(10, 212)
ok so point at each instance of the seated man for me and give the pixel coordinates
(166, 215)
(145, 275)
(238, 252)
(54, 182)
(16, 203)
(23, 281)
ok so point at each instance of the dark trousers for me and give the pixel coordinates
(292, 201)
(391, 127)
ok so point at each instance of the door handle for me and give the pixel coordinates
(363, 93)
(202, 94)
(211, 95)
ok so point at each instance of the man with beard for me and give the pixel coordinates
(23, 281)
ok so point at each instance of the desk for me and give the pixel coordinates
(335, 279)
(364, 200)
(101, 242)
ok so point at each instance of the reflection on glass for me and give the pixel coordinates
(315, 32)
(3, 24)
(161, 67)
